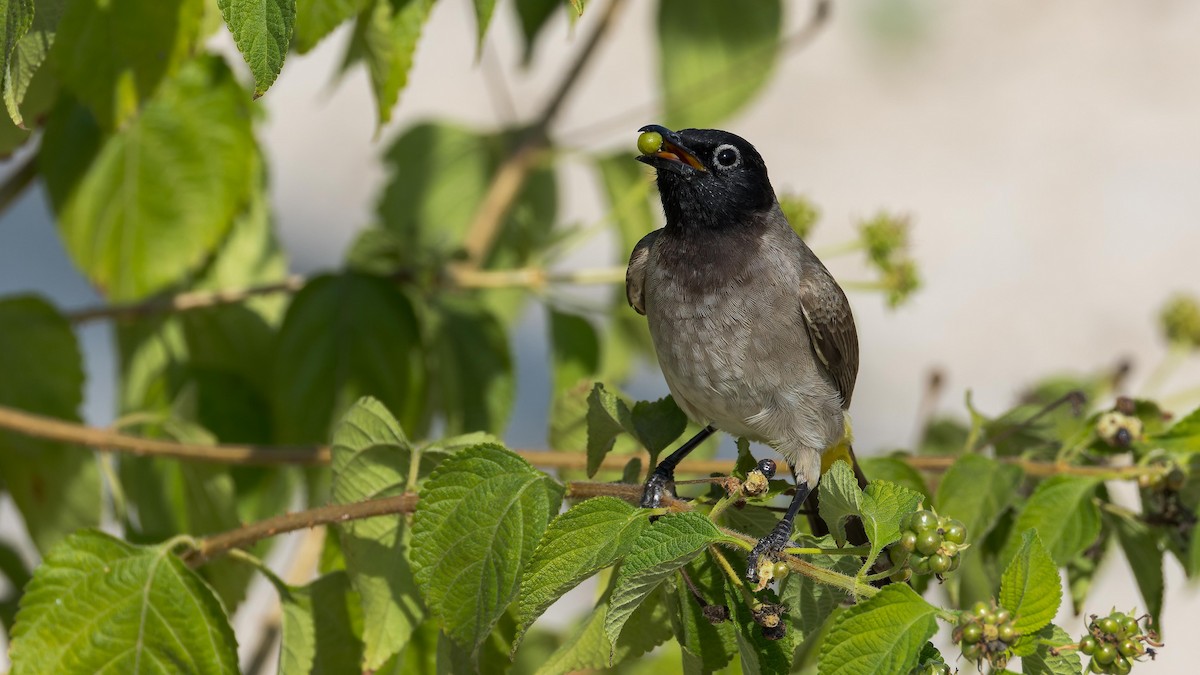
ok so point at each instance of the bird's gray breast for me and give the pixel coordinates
(728, 331)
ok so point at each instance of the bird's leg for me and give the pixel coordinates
(662, 478)
(779, 537)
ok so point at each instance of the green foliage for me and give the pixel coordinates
(882, 635)
(658, 552)
(112, 75)
(1030, 588)
(576, 545)
(372, 458)
(142, 607)
(150, 203)
(402, 362)
(262, 30)
(55, 486)
(469, 587)
(707, 71)
(1062, 512)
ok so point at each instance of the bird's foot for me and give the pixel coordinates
(658, 484)
(767, 550)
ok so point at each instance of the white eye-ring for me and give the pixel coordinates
(726, 156)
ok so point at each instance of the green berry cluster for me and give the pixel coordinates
(885, 237)
(1114, 642)
(1180, 320)
(928, 545)
(986, 632)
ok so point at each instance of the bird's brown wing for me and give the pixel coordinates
(635, 274)
(830, 326)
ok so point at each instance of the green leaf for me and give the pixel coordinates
(975, 490)
(758, 655)
(657, 424)
(483, 18)
(156, 199)
(1063, 513)
(1183, 436)
(1142, 550)
(316, 19)
(710, 644)
(714, 57)
(387, 33)
(533, 15)
(262, 30)
(607, 417)
(588, 647)
(479, 519)
(346, 336)
(371, 459)
(473, 380)
(575, 348)
(578, 543)
(1044, 662)
(840, 498)
(96, 57)
(895, 470)
(429, 205)
(55, 486)
(1030, 587)
(16, 17)
(99, 604)
(883, 506)
(811, 603)
(322, 623)
(670, 543)
(882, 635)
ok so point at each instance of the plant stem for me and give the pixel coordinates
(106, 440)
(18, 181)
(511, 176)
(849, 550)
(212, 546)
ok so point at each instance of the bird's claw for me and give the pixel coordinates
(658, 484)
(769, 546)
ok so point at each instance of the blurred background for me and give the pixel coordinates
(1047, 154)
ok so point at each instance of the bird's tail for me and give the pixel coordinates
(844, 450)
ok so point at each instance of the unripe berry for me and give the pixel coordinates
(971, 633)
(939, 564)
(923, 521)
(1105, 653)
(649, 142)
(1006, 633)
(1088, 645)
(954, 531)
(928, 542)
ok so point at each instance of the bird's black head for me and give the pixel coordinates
(708, 178)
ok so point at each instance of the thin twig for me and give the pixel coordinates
(512, 174)
(458, 278)
(17, 182)
(210, 547)
(105, 440)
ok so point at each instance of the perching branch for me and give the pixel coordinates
(105, 440)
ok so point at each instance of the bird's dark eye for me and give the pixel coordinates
(727, 157)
